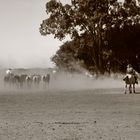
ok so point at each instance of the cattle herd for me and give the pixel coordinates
(25, 80)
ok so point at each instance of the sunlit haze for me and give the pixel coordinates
(21, 44)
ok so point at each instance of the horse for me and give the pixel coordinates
(29, 81)
(17, 81)
(131, 81)
(12, 80)
(23, 79)
(8, 79)
(46, 79)
(36, 80)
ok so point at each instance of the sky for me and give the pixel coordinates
(21, 44)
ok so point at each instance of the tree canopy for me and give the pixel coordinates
(93, 23)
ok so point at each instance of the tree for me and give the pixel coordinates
(66, 58)
(89, 18)
(82, 17)
(72, 57)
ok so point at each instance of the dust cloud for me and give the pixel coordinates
(82, 82)
(64, 81)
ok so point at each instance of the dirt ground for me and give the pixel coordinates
(78, 114)
(105, 114)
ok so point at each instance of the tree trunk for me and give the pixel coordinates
(100, 57)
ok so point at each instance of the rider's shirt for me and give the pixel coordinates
(130, 70)
(8, 72)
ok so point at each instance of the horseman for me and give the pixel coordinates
(130, 70)
(8, 76)
(9, 71)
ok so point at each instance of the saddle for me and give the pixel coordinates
(129, 76)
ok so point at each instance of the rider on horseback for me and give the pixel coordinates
(9, 71)
(130, 70)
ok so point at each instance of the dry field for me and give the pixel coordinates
(70, 110)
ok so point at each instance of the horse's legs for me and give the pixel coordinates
(130, 88)
(125, 89)
(134, 88)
